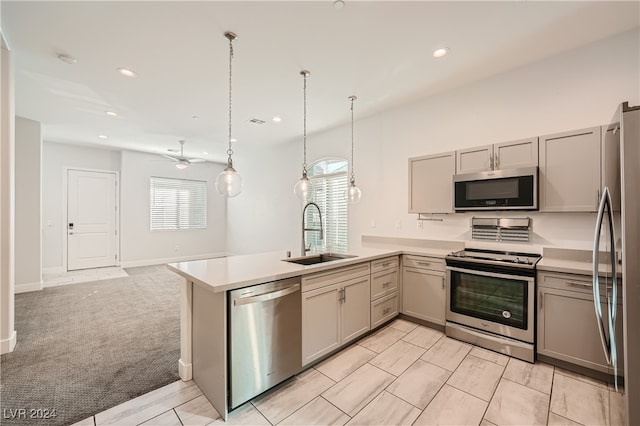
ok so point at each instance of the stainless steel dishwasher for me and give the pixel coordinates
(265, 335)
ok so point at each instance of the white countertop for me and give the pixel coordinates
(553, 264)
(228, 273)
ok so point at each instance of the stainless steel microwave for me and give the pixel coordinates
(511, 189)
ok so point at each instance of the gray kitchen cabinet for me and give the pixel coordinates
(384, 290)
(570, 171)
(431, 183)
(423, 288)
(505, 155)
(335, 309)
(567, 328)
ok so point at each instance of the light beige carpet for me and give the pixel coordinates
(83, 348)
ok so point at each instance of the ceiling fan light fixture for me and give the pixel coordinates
(182, 165)
(229, 182)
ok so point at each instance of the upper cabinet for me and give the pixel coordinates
(506, 155)
(431, 183)
(570, 171)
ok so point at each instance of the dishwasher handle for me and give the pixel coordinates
(267, 296)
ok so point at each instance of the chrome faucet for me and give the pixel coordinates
(304, 228)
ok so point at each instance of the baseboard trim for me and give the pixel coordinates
(53, 270)
(149, 262)
(7, 345)
(185, 371)
(23, 288)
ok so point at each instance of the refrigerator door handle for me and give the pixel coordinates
(605, 201)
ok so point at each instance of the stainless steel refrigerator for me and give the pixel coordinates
(621, 256)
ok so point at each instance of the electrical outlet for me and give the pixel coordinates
(420, 225)
(177, 248)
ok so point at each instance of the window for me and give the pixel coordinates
(178, 204)
(329, 179)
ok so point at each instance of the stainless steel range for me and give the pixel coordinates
(491, 300)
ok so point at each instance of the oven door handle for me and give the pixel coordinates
(490, 274)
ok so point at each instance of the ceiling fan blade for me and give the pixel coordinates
(170, 157)
(197, 160)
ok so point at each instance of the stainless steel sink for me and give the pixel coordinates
(318, 258)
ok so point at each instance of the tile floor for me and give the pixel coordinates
(402, 374)
(82, 276)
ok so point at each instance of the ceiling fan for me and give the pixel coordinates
(183, 162)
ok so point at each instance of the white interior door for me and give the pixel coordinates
(91, 219)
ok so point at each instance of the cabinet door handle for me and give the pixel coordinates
(443, 284)
(597, 198)
(386, 284)
(386, 311)
(424, 263)
(385, 264)
(540, 298)
(496, 161)
(579, 284)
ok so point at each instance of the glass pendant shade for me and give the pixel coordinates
(229, 182)
(303, 190)
(353, 193)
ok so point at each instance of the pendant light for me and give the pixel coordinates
(303, 190)
(229, 182)
(353, 193)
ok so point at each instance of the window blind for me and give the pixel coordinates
(178, 204)
(329, 196)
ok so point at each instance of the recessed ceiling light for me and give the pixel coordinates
(277, 119)
(102, 136)
(127, 72)
(195, 117)
(338, 4)
(67, 59)
(111, 113)
(439, 53)
(205, 153)
(234, 140)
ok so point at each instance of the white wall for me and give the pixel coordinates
(577, 89)
(55, 158)
(7, 145)
(140, 245)
(28, 234)
(266, 216)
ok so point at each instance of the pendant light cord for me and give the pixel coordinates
(231, 37)
(304, 134)
(353, 178)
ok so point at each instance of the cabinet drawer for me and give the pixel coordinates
(383, 283)
(321, 279)
(574, 282)
(424, 262)
(382, 264)
(384, 309)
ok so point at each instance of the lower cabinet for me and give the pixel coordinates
(567, 327)
(423, 288)
(384, 290)
(335, 313)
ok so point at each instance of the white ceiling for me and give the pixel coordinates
(377, 50)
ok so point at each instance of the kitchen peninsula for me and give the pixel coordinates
(204, 336)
